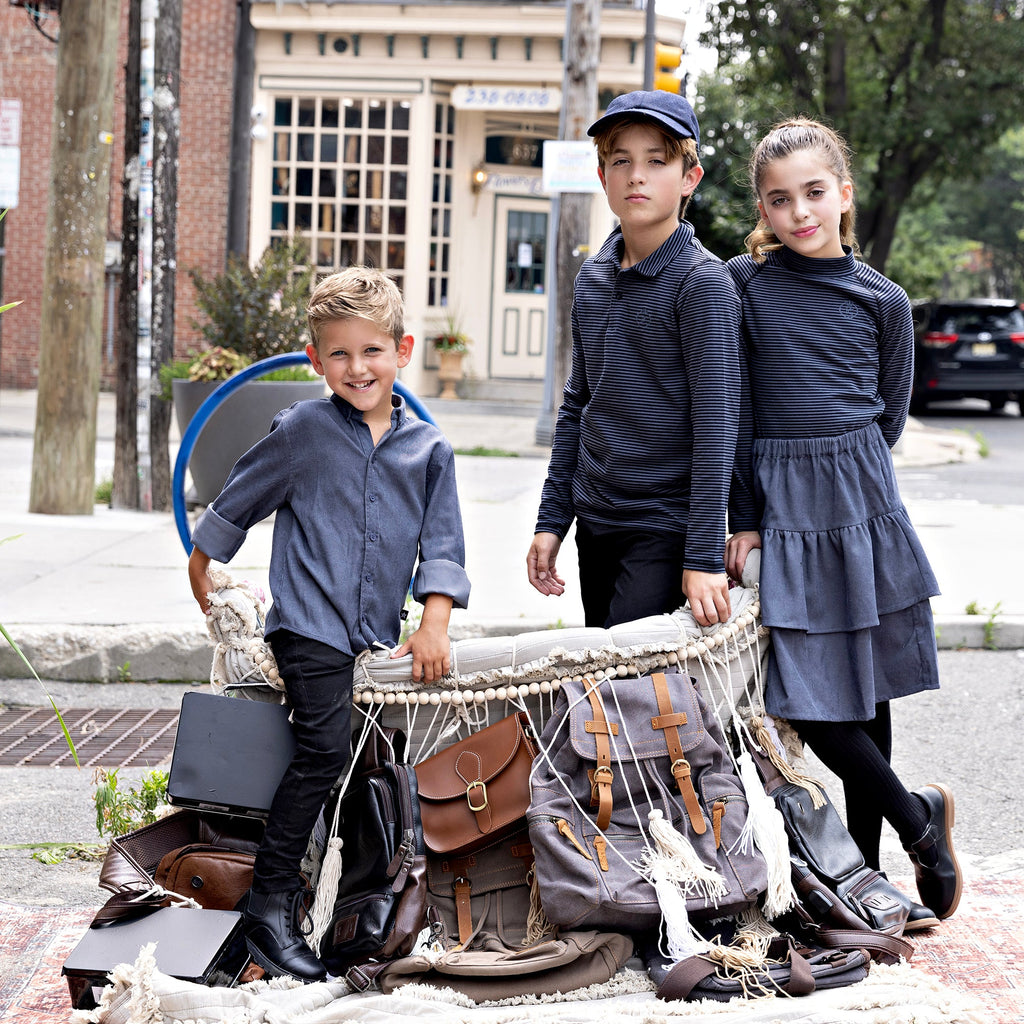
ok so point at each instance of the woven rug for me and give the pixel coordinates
(971, 970)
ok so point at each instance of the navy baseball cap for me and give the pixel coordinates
(669, 109)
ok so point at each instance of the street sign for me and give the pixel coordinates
(570, 167)
(10, 152)
(10, 122)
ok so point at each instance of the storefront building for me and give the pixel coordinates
(410, 136)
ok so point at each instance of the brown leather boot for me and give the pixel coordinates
(939, 880)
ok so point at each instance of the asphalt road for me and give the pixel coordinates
(967, 734)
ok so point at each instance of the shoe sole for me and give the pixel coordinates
(922, 925)
(274, 970)
(950, 821)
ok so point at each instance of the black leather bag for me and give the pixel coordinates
(380, 907)
(841, 902)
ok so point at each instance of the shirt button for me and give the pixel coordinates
(372, 497)
(368, 577)
(372, 538)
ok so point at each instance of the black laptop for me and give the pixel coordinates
(229, 754)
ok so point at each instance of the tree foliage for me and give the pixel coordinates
(919, 87)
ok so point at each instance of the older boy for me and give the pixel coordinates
(361, 490)
(645, 439)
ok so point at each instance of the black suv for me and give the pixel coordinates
(973, 348)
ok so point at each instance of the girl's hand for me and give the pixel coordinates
(708, 594)
(737, 547)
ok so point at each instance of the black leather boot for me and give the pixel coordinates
(939, 880)
(274, 937)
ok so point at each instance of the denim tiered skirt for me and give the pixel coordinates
(845, 583)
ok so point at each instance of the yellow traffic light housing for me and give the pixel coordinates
(666, 62)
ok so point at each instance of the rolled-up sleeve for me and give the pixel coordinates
(442, 544)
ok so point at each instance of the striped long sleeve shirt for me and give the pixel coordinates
(830, 345)
(646, 434)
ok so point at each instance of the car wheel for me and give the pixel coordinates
(918, 406)
(997, 403)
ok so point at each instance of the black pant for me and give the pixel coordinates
(318, 679)
(628, 574)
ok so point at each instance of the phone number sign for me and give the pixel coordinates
(507, 98)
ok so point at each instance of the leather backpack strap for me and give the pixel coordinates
(684, 977)
(601, 776)
(462, 889)
(887, 949)
(669, 720)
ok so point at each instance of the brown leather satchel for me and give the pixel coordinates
(215, 878)
(477, 790)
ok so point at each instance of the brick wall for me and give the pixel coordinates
(28, 65)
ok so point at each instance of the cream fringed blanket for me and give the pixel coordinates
(889, 995)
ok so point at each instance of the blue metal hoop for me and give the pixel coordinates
(216, 398)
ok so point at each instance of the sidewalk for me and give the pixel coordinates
(86, 596)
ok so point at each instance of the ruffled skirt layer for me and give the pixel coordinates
(845, 581)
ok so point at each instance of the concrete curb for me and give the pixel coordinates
(158, 653)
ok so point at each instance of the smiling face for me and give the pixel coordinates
(802, 200)
(360, 363)
(644, 184)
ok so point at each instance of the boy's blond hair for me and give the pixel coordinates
(675, 147)
(357, 293)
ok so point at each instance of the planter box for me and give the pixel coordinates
(241, 420)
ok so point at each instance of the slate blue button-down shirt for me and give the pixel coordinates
(352, 520)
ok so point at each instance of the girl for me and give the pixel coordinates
(844, 581)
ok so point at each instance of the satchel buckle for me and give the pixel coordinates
(358, 978)
(482, 786)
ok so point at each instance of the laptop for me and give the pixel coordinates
(230, 754)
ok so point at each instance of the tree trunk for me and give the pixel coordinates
(166, 123)
(582, 53)
(71, 331)
(125, 493)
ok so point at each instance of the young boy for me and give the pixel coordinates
(360, 490)
(645, 438)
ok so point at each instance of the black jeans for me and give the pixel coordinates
(318, 679)
(628, 574)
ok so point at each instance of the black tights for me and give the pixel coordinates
(859, 753)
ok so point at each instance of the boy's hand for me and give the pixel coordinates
(200, 579)
(540, 564)
(430, 647)
(708, 594)
(737, 547)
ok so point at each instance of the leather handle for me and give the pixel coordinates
(668, 720)
(601, 779)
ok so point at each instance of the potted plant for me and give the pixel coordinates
(451, 345)
(247, 313)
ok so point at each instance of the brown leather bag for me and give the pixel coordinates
(215, 878)
(477, 790)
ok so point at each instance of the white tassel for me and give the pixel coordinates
(326, 893)
(765, 825)
(680, 940)
(682, 863)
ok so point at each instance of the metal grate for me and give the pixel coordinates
(103, 737)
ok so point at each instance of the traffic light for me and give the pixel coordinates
(666, 62)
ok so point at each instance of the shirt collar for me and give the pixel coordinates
(649, 266)
(399, 410)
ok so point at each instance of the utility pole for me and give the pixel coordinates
(570, 210)
(166, 134)
(125, 492)
(71, 330)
